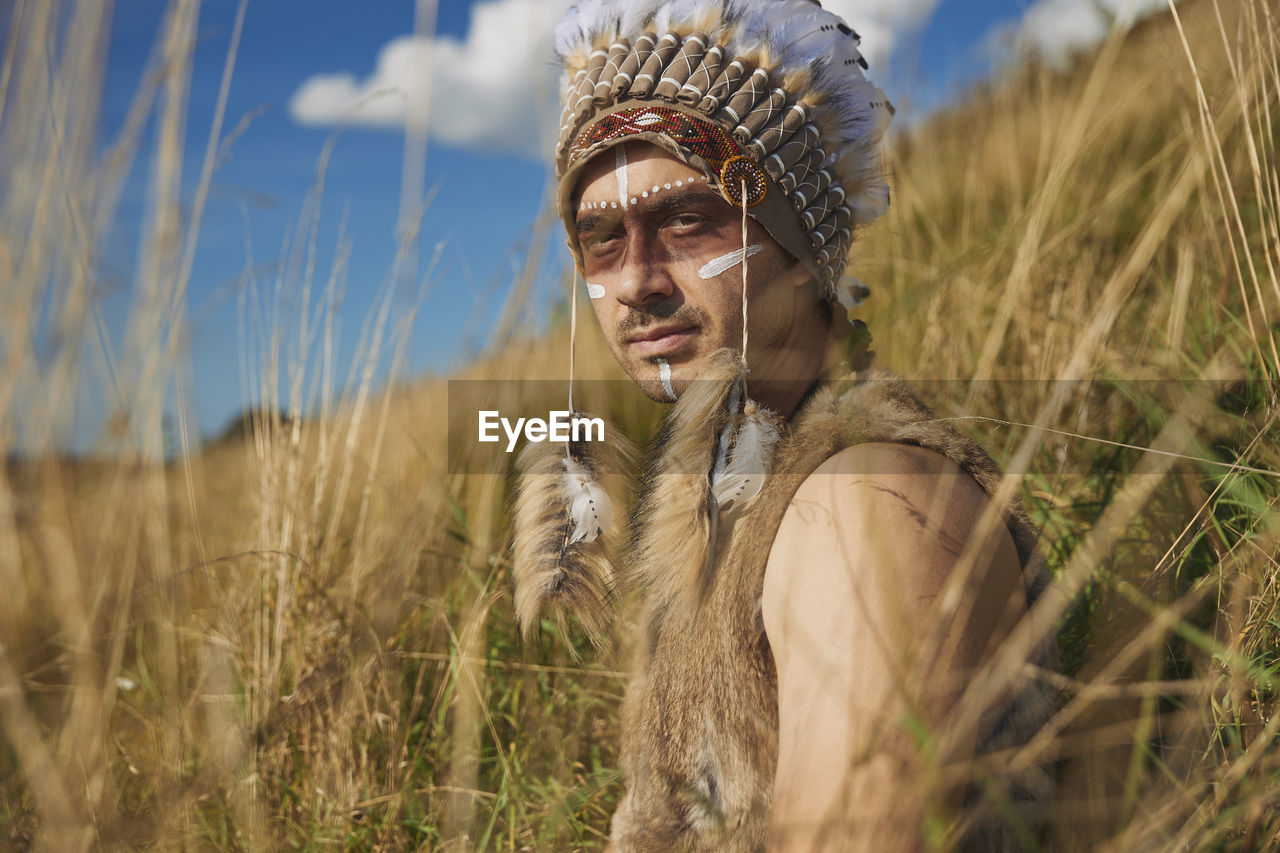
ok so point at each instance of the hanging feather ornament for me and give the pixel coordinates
(737, 481)
(563, 513)
(746, 442)
(590, 510)
(563, 516)
(711, 444)
(744, 450)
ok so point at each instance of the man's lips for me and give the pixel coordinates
(661, 339)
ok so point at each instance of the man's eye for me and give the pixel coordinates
(685, 221)
(598, 244)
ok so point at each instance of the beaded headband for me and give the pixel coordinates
(770, 91)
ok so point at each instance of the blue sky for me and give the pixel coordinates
(482, 164)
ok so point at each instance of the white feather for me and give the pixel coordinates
(725, 440)
(635, 17)
(796, 34)
(743, 477)
(584, 24)
(575, 28)
(674, 12)
(872, 202)
(851, 292)
(590, 510)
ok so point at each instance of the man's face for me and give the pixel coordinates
(661, 251)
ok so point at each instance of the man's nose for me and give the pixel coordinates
(644, 276)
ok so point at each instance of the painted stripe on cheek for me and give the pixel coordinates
(716, 266)
(595, 291)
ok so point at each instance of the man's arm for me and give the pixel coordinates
(851, 595)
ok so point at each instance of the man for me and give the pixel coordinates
(818, 563)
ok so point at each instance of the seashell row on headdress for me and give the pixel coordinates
(783, 78)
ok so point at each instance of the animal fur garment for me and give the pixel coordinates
(700, 720)
(680, 514)
(563, 520)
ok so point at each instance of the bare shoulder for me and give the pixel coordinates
(876, 471)
(884, 589)
(887, 524)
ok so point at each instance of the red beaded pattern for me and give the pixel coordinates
(703, 138)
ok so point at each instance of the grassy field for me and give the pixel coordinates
(301, 636)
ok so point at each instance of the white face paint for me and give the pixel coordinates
(716, 266)
(620, 172)
(595, 291)
(620, 177)
(664, 374)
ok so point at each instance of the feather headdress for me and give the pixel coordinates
(782, 81)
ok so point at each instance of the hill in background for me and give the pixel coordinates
(305, 636)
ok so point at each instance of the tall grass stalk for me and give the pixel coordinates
(301, 635)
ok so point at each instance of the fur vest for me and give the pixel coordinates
(700, 718)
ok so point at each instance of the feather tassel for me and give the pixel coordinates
(590, 510)
(677, 517)
(563, 515)
(743, 476)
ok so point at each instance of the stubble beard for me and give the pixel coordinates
(645, 370)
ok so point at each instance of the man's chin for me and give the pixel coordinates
(656, 380)
(655, 391)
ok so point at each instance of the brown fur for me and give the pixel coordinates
(700, 724)
(672, 563)
(551, 577)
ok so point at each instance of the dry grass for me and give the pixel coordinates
(303, 638)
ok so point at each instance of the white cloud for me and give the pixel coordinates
(1057, 28)
(497, 88)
